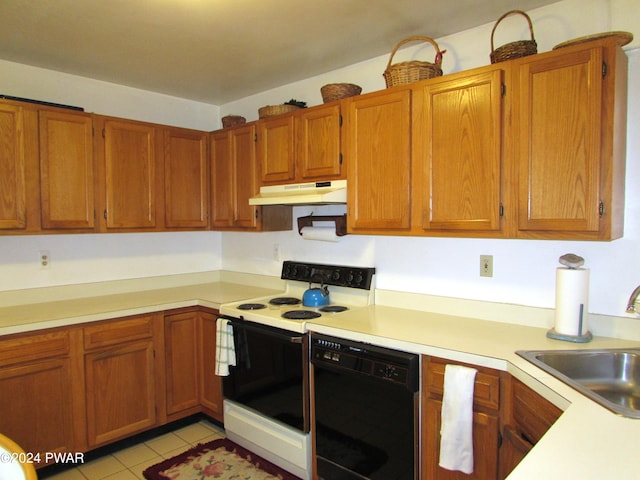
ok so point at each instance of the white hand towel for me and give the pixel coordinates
(456, 433)
(225, 349)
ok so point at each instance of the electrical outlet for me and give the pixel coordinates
(486, 265)
(44, 257)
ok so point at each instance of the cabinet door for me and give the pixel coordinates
(222, 189)
(36, 405)
(120, 398)
(66, 170)
(42, 385)
(243, 154)
(130, 175)
(186, 177)
(181, 343)
(276, 149)
(458, 138)
(234, 178)
(318, 143)
(485, 446)
(210, 383)
(377, 139)
(13, 194)
(559, 133)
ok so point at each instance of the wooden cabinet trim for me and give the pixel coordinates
(113, 332)
(29, 347)
(486, 391)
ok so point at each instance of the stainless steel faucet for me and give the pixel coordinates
(631, 306)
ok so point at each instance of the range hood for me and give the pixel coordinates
(313, 193)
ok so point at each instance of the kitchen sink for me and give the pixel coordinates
(610, 377)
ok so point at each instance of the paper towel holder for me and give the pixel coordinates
(572, 262)
(339, 220)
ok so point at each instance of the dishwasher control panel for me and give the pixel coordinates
(362, 358)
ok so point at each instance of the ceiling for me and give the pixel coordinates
(217, 51)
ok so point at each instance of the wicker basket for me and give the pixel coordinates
(232, 121)
(336, 91)
(518, 49)
(271, 110)
(413, 71)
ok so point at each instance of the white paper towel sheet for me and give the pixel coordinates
(572, 301)
(324, 234)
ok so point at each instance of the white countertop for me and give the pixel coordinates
(587, 442)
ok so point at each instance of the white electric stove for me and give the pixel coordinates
(349, 288)
(266, 405)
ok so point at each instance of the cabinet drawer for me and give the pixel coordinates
(33, 347)
(118, 331)
(486, 391)
(532, 413)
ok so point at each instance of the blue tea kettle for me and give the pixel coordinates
(316, 297)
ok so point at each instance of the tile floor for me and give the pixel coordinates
(129, 463)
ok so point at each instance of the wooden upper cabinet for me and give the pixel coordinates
(222, 181)
(318, 154)
(186, 185)
(129, 174)
(276, 149)
(243, 151)
(234, 178)
(571, 136)
(377, 151)
(457, 134)
(13, 192)
(66, 170)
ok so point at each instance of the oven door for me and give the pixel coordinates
(271, 375)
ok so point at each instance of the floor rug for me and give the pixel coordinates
(217, 460)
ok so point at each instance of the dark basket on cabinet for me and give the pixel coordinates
(232, 121)
(337, 91)
(520, 48)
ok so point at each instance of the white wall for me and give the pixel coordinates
(524, 271)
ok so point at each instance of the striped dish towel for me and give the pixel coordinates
(225, 349)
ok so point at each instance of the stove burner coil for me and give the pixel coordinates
(284, 301)
(300, 315)
(334, 308)
(251, 306)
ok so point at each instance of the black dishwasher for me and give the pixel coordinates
(364, 410)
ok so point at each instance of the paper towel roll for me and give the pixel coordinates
(572, 301)
(324, 234)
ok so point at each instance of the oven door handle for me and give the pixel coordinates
(265, 330)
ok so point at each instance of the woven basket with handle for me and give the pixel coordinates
(520, 48)
(408, 72)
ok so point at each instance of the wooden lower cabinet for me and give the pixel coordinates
(40, 403)
(182, 358)
(120, 378)
(527, 418)
(485, 445)
(191, 383)
(210, 383)
(486, 424)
